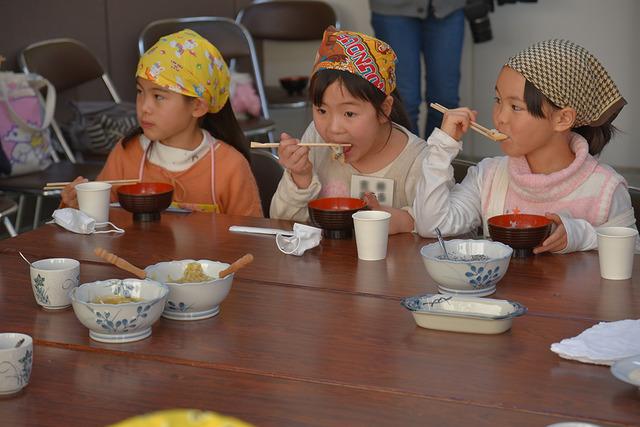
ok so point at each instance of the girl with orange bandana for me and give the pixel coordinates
(188, 135)
(354, 100)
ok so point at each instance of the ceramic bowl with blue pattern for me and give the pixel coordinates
(473, 268)
(99, 307)
(192, 300)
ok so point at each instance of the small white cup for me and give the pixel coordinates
(94, 198)
(52, 280)
(15, 362)
(372, 234)
(616, 247)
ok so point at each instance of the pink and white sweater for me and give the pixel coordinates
(585, 195)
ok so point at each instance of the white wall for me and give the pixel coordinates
(606, 28)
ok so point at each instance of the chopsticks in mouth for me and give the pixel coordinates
(489, 133)
(255, 144)
(60, 185)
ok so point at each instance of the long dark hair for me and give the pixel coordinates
(358, 88)
(596, 136)
(222, 125)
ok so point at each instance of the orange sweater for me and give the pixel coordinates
(235, 187)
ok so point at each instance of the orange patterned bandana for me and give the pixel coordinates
(359, 54)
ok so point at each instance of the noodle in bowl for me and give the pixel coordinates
(195, 289)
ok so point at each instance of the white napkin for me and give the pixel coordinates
(602, 344)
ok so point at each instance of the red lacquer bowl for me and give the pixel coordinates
(522, 232)
(146, 199)
(333, 215)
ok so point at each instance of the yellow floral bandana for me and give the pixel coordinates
(187, 63)
(359, 54)
(182, 418)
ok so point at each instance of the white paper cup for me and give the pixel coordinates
(372, 234)
(15, 361)
(94, 198)
(52, 280)
(616, 247)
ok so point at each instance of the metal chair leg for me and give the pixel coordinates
(9, 227)
(20, 211)
(36, 215)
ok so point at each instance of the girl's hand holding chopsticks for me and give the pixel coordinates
(295, 158)
(456, 123)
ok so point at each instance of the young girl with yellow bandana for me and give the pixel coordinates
(556, 103)
(354, 102)
(188, 135)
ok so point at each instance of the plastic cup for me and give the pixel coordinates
(372, 234)
(16, 358)
(52, 280)
(94, 198)
(616, 247)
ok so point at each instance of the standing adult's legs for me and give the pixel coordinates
(442, 43)
(403, 34)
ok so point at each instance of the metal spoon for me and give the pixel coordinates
(24, 258)
(444, 249)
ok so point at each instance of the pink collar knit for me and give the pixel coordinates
(543, 188)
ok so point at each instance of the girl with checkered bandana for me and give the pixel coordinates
(556, 103)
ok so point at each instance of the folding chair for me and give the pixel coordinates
(234, 43)
(287, 21)
(268, 172)
(66, 63)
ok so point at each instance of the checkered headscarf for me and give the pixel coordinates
(570, 76)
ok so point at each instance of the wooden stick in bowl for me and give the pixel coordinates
(237, 265)
(489, 133)
(119, 262)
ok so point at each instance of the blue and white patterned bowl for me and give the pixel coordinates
(119, 323)
(474, 267)
(191, 301)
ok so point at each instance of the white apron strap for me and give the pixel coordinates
(498, 193)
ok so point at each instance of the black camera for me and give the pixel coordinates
(477, 13)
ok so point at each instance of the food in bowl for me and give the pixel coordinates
(522, 232)
(192, 300)
(123, 322)
(473, 268)
(115, 299)
(146, 199)
(193, 273)
(334, 215)
(463, 313)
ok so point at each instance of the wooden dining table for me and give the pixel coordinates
(319, 339)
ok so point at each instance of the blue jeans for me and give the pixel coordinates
(440, 42)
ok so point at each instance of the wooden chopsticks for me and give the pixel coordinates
(255, 144)
(60, 185)
(489, 133)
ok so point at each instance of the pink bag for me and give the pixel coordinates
(24, 122)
